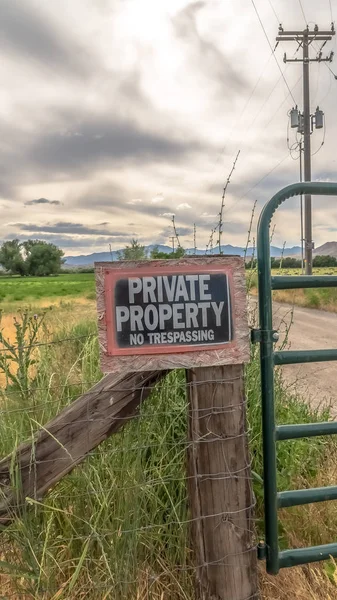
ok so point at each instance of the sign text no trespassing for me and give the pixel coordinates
(170, 310)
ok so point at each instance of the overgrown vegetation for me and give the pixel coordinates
(117, 526)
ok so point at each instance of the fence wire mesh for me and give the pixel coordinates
(118, 524)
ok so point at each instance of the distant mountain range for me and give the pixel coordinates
(90, 259)
(328, 249)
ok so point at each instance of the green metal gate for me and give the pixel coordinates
(272, 433)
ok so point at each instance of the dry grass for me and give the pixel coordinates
(309, 582)
(308, 525)
(57, 316)
(300, 583)
(307, 299)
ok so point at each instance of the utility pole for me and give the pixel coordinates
(301, 210)
(172, 240)
(304, 121)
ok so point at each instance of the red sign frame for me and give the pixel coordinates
(110, 280)
(157, 357)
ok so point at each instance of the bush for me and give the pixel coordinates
(324, 261)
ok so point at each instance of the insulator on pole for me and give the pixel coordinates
(294, 117)
(319, 118)
(300, 123)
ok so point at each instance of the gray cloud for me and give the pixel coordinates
(96, 141)
(113, 197)
(167, 232)
(29, 34)
(42, 201)
(69, 228)
(70, 242)
(207, 55)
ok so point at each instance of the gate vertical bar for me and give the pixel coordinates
(267, 390)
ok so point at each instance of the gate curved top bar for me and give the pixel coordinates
(274, 558)
(295, 189)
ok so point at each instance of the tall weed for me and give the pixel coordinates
(117, 526)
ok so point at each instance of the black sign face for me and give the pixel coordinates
(154, 312)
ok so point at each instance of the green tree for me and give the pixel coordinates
(156, 254)
(324, 261)
(11, 258)
(290, 263)
(133, 252)
(42, 258)
(34, 257)
(179, 252)
(286, 263)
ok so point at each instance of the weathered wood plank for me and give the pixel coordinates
(220, 487)
(67, 439)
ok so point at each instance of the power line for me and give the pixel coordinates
(278, 164)
(323, 140)
(250, 97)
(274, 11)
(283, 101)
(331, 71)
(326, 63)
(257, 183)
(270, 46)
(304, 17)
(323, 98)
(331, 15)
(242, 113)
(264, 104)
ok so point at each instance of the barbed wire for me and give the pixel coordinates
(221, 476)
(135, 388)
(99, 452)
(50, 343)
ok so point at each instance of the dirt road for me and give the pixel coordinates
(310, 329)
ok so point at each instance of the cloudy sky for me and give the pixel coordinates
(116, 114)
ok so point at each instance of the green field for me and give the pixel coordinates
(81, 286)
(30, 289)
(319, 298)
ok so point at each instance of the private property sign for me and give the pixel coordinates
(166, 311)
(170, 313)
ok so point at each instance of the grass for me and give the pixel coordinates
(116, 527)
(319, 298)
(34, 289)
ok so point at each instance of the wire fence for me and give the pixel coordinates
(118, 522)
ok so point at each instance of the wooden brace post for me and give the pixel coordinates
(67, 439)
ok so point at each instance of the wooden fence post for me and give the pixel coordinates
(220, 487)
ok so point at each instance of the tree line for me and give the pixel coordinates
(40, 259)
(295, 263)
(136, 251)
